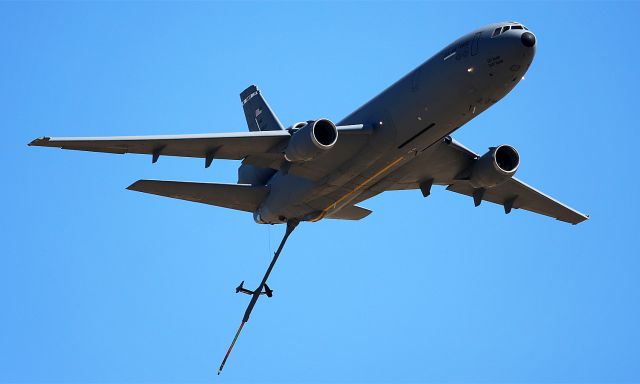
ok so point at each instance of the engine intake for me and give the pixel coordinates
(310, 140)
(495, 167)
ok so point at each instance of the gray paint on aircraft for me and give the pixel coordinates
(397, 140)
(400, 139)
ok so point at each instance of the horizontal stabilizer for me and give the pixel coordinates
(350, 212)
(243, 197)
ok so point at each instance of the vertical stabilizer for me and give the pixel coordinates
(259, 115)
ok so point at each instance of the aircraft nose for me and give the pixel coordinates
(528, 39)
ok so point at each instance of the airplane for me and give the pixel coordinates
(400, 139)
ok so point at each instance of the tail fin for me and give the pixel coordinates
(259, 115)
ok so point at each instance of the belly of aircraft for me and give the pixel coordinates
(416, 112)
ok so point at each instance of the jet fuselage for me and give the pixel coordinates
(419, 110)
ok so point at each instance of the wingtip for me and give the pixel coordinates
(134, 186)
(40, 141)
(582, 218)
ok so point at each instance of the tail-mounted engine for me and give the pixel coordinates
(310, 139)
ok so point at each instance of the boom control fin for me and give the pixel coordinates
(266, 290)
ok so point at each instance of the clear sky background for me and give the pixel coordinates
(101, 284)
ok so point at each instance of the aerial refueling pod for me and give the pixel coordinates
(310, 139)
(495, 167)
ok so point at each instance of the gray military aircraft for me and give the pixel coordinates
(400, 139)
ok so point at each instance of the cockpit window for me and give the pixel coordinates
(500, 30)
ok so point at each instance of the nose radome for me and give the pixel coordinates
(528, 39)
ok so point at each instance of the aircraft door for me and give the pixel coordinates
(474, 44)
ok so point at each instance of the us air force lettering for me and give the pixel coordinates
(400, 139)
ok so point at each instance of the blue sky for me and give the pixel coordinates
(105, 285)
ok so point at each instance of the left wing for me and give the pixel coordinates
(514, 193)
(441, 163)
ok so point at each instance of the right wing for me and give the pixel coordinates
(261, 148)
(231, 146)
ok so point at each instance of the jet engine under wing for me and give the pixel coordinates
(445, 161)
(231, 146)
(243, 197)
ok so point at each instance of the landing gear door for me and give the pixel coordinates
(474, 44)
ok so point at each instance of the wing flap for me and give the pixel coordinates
(242, 197)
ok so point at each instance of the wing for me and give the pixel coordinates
(231, 146)
(444, 161)
(262, 148)
(515, 194)
(242, 197)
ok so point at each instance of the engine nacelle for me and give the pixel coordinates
(310, 140)
(495, 167)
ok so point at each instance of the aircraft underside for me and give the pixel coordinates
(399, 140)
